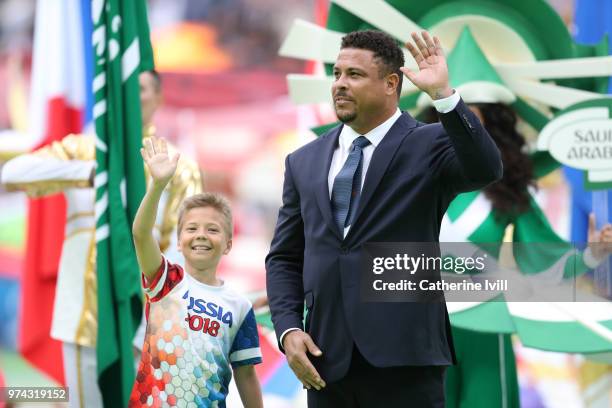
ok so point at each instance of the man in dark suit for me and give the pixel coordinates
(380, 177)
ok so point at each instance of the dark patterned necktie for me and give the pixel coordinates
(347, 186)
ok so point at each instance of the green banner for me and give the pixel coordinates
(122, 50)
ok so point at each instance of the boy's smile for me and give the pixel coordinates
(198, 247)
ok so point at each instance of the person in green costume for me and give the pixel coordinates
(485, 375)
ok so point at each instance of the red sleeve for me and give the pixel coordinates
(156, 277)
(166, 278)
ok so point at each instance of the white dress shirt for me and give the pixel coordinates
(375, 136)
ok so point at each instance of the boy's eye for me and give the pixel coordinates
(213, 230)
(191, 229)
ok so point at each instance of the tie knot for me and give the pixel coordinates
(361, 142)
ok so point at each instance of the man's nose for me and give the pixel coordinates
(339, 82)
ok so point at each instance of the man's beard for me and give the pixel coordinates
(346, 117)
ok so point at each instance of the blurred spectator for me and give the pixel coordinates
(16, 24)
(251, 31)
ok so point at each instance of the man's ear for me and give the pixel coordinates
(228, 248)
(392, 83)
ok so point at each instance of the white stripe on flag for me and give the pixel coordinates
(101, 206)
(130, 59)
(245, 354)
(96, 10)
(123, 193)
(99, 82)
(98, 38)
(102, 232)
(100, 145)
(99, 109)
(101, 179)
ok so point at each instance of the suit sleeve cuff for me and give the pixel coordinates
(447, 104)
(282, 336)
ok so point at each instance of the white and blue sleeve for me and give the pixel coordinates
(245, 347)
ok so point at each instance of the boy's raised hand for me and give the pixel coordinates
(155, 154)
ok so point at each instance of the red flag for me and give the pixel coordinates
(55, 110)
(2, 404)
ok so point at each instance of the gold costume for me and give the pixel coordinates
(68, 166)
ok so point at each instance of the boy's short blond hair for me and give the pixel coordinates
(215, 200)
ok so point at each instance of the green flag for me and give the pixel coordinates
(122, 50)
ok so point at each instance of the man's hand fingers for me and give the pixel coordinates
(312, 348)
(606, 236)
(439, 50)
(428, 41)
(302, 375)
(408, 73)
(431, 46)
(421, 45)
(414, 52)
(310, 374)
(157, 144)
(146, 144)
(297, 344)
(592, 227)
(306, 372)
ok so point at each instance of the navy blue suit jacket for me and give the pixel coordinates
(414, 174)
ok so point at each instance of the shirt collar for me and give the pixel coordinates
(375, 136)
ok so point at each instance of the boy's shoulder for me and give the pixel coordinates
(240, 299)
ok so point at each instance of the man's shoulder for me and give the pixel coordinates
(420, 129)
(313, 146)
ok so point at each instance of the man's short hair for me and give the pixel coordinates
(213, 200)
(386, 50)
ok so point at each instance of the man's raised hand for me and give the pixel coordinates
(155, 154)
(432, 77)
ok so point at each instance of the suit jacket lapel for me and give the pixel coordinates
(320, 174)
(380, 161)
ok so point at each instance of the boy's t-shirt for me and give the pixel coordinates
(195, 334)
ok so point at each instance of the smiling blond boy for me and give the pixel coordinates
(198, 330)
